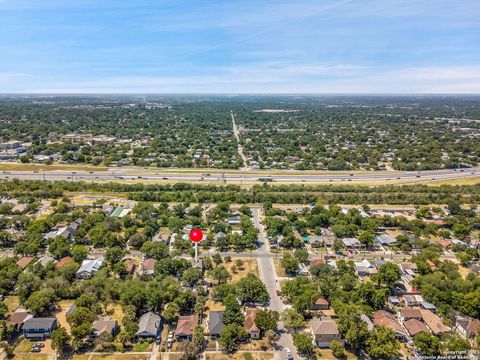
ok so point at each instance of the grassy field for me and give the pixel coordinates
(12, 302)
(23, 346)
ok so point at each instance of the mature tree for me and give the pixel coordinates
(217, 259)
(60, 340)
(292, 319)
(222, 291)
(192, 276)
(366, 238)
(453, 343)
(251, 289)
(301, 255)
(337, 349)
(80, 333)
(171, 312)
(233, 313)
(304, 344)
(197, 339)
(382, 344)
(289, 263)
(137, 240)
(267, 320)
(220, 273)
(231, 336)
(388, 274)
(351, 325)
(41, 301)
(113, 255)
(155, 250)
(79, 253)
(427, 344)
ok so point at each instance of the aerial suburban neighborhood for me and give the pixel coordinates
(102, 269)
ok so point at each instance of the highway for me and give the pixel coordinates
(239, 177)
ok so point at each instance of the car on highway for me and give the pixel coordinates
(278, 292)
(164, 178)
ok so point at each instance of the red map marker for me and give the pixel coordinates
(196, 235)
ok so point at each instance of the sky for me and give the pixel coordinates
(239, 46)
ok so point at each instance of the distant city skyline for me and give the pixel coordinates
(248, 46)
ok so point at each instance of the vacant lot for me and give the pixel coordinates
(248, 266)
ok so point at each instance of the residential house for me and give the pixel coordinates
(252, 329)
(412, 300)
(24, 261)
(385, 319)
(320, 304)
(353, 243)
(45, 259)
(467, 326)
(234, 220)
(415, 326)
(324, 331)
(185, 327)
(215, 323)
(431, 264)
(130, 265)
(385, 239)
(407, 314)
(105, 325)
(404, 266)
(149, 325)
(364, 268)
(148, 266)
(39, 328)
(428, 306)
(89, 267)
(315, 241)
(434, 323)
(17, 318)
(220, 235)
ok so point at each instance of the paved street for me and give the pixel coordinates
(268, 274)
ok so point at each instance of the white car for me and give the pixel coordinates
(288, 353)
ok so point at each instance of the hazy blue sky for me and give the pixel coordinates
(187, 46)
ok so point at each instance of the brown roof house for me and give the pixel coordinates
(407, 314)
(148, 267)
(185, 327)
(17, 318)
(252, 330)
(324, 331)
(320, 304)
(467, 326)
(434, 323)
(415, 326)
(24, 261)
(385, 319)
